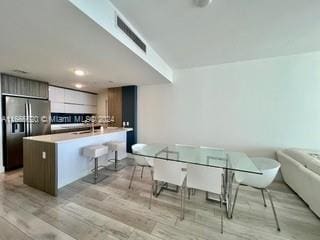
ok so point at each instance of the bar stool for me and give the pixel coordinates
(94, 152)
(116, 147)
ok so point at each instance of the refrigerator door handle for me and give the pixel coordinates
(27, 119)
(30, 122)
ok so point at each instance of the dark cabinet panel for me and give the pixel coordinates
(34, 89)
(24, 87)
(129, 113)
(9, 84)
(43, 90)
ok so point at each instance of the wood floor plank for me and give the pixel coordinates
(169, 232)
(139, 235)
(109, 210)
(10, 232)
(65, 222)
(109, 225)
(131, 217)
(29, 224)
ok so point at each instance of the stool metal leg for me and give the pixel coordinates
(96, 168)
(95, 177)
(117, 165)
(115, 159)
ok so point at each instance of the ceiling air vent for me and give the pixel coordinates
(124, 27)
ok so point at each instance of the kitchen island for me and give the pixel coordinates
(55, 160)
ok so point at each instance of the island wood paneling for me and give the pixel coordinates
(38, 172)
(115, 105)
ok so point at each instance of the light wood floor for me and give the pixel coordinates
(109, 210)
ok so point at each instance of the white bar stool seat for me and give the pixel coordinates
(94, 152)
(116, 147)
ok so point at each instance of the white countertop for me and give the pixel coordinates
(70, 126)
(70, 136)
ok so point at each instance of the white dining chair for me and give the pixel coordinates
(139, 161)
(269, 169)
(208, 179)
(169, 172)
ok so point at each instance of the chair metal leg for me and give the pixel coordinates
(235, 199)
(189, 193)
(273, 209)
(142, 172)
(221, 214)
(131, 179)
(152, 189)
(264, 200)
(151, 193)
(182, 212)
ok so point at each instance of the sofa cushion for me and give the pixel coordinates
(308, 158)
(297, 155)
(314, 165)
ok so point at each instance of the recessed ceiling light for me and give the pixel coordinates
(202, 3)
(78, 85)
(79, 72)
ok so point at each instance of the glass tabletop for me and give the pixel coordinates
(206, 156)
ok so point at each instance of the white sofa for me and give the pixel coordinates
(300, 169)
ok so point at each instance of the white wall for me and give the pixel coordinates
(1, 144)
(255, 106)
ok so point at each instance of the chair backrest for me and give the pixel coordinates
(168, 171)
(209, 179)
(269, 169)
(139, 160)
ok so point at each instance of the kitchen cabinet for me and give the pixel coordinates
(122, 105)
(57, 107)
(72, 101)
(71, 96)
(23, 87)
(76, 108)
(129, 113)
(115, 105)
(77, 97)
(56, 94)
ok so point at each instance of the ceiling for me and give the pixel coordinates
(50, 38)
(225, 31)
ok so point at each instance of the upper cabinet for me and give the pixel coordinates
(23, 87)
(56, 94)
(71, 101)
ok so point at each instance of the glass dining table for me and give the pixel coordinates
(230, 161)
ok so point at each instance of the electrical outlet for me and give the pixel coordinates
(44, 155)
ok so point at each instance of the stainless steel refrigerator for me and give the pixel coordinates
(23, 117)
